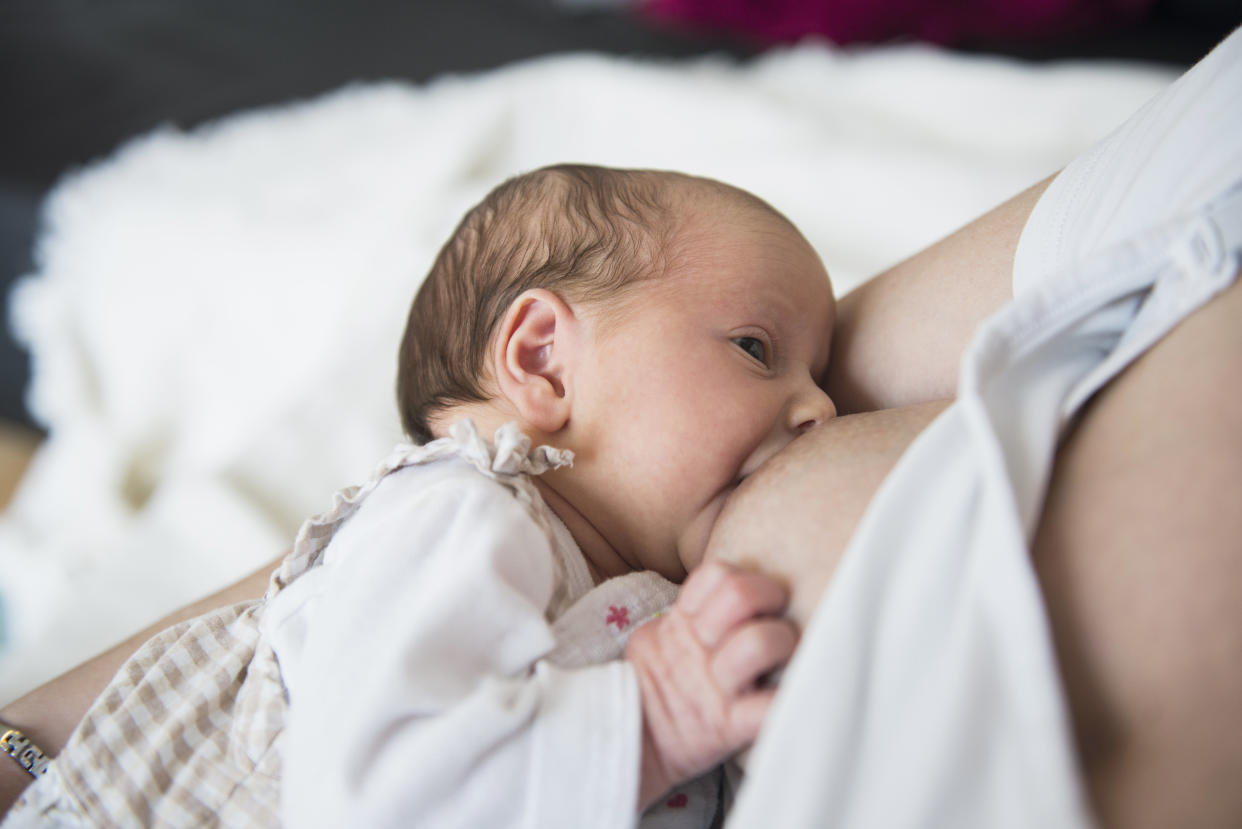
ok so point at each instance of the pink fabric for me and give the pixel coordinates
(938, 21)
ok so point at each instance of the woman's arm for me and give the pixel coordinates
(899, 336)
(48, 714)
(895, 351)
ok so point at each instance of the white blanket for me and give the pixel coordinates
(215, 314)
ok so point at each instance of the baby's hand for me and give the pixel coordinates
(698, 666)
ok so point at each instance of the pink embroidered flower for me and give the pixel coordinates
(619, 616)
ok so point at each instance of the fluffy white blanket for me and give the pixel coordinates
(215, 313)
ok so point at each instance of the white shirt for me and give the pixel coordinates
(449, 663)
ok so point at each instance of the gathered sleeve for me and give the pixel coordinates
(418, 689)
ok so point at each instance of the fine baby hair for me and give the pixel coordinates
(583, 232)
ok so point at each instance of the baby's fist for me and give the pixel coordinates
(698, 668)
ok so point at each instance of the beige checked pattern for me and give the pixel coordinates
(188, 732)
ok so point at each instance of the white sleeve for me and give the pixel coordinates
(421, 696)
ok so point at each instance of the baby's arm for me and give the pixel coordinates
(698, 669)
(419, 681)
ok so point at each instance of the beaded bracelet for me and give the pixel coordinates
(27, 755)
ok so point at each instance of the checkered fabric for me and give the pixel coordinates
(188, 732)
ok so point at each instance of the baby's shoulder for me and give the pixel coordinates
(451, 480)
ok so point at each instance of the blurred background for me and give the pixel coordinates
(183, 467)
(78, 77)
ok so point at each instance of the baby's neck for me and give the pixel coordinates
(602, 559)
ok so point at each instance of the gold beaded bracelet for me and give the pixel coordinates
(18, 746)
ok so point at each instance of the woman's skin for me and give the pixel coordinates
(832, 476)
(900, 335)
(1139, 553)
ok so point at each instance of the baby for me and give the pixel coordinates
(488, 633)
(664, 331)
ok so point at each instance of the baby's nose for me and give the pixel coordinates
(812, 408)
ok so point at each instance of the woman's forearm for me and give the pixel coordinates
(48, 714)
(899, 337)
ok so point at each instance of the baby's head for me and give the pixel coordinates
(668, 329)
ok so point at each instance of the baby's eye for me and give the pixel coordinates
(754, 347)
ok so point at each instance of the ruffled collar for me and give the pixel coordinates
(507, 458)
(508, 453)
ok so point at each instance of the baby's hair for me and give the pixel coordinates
(584, 233)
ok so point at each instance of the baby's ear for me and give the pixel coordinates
(533, 358)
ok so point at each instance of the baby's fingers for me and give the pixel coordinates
(718, 597)
(750, 652)
(746, 717)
